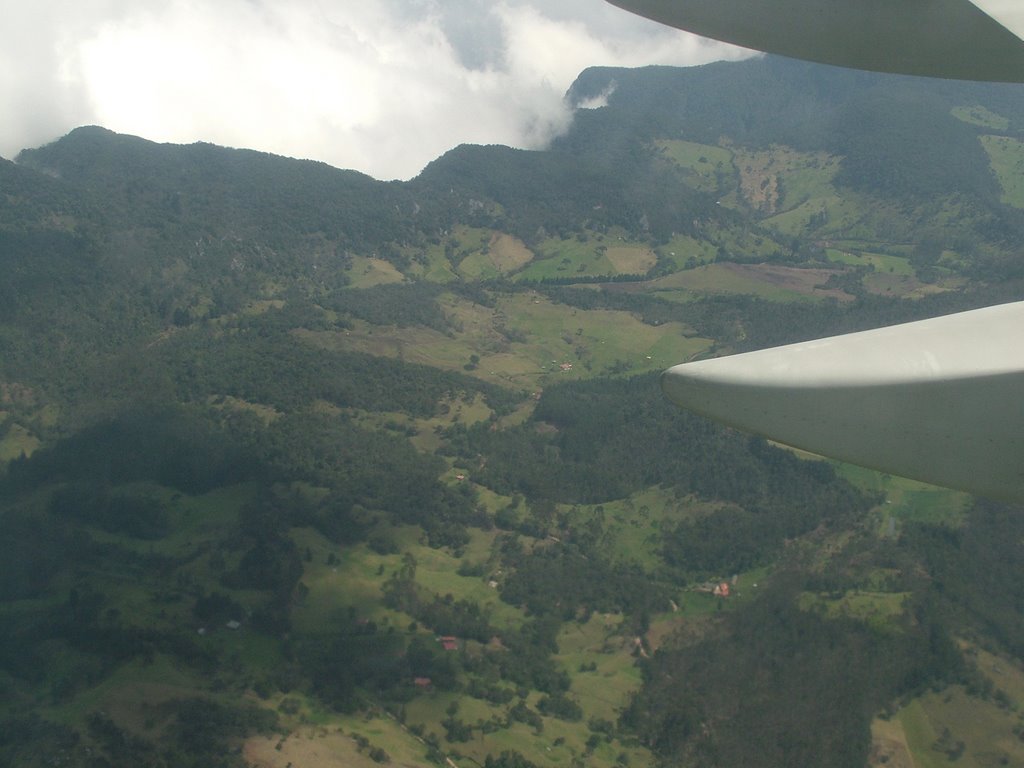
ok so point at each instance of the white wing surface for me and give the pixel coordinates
(937, 38)
(938, 400)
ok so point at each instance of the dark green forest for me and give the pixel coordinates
(290, 453)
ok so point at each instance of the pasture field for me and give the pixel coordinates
(904, 286)
(1006, 674)
(198, 525)
(431, 264)
(793, 189)
(265, 413)
(767, 281)
(588, 255)
(131, 694)
(879, 262)
(694, 602)
(889, 745)
(795, 192)
(1006, 154)
(17, 442)
(556, 743)
(595, 342)
(709, 168)
(357, 574)
(877, 609)
(826, 215)
(979, 115)
(909, 500)
(501, 255)
(631, 259)
(632, 526)
(436, 570)
(781, 178)
(468, 250)
(682, 248)
(366, 272)
(351, 579)
(951, 728)
(333, 745)
(600, 661)
(546, 336)
(741, 243)
(423, 437)
(509, 253)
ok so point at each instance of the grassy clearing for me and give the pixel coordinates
(951, 728)
(823, 216)
(421, 432)
(367, 272)
(130, 693)
(906, 287)
(593, 342)
(687, 252)
(509, 253)
(432, 264)
(140, 596)
(632, 527)
(889, 745)
(546, 336)
(333, 745)
(556, 743)
(775, 283)
(742, 243)
(908, 500)
(436, 571)
(588, 255)
(582, 256)
(611, 675)
(694, 604)
(264, 413)
(795, 191)
(501, 255)
(699, 601)
(781, 179)
(631, 259)
(355, 580)
(879, 262)
(17, 442)
(1006, 673)
(709, 169)
(352, 582)
(979, 115)
(878, 609)
(1007, 157)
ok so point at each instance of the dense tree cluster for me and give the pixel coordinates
(808, 686)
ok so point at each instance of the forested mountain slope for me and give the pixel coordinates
(300, 467)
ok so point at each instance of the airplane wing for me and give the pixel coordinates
(954, 39)
(938, 400)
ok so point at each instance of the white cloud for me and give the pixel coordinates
(382, 86)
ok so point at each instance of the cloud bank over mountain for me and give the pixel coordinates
(382, 86)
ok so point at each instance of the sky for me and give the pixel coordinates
(380, 86)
